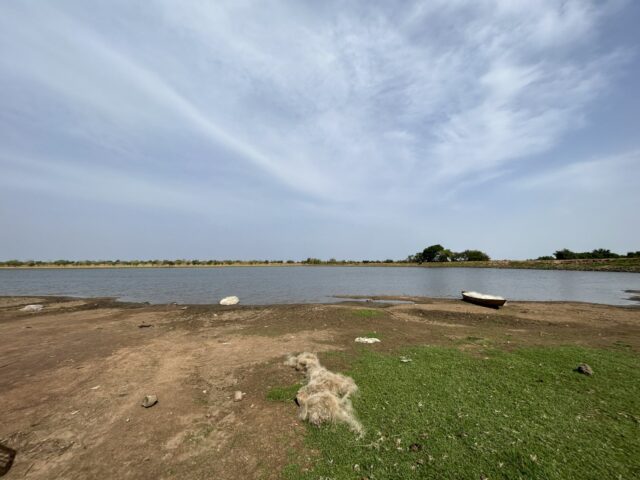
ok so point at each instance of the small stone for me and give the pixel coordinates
(145, 325)
(584, 369)
(149, 401)
(237, 396)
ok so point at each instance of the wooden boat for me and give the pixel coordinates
(483, 299)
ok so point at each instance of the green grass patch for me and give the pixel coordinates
(283, 394)
(523, 414)
(367, 313)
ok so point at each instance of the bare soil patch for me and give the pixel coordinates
(73, 375)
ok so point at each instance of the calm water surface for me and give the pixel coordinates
(266, 285)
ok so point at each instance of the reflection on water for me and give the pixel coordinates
(265, 285)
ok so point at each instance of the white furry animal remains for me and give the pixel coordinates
(325, 397)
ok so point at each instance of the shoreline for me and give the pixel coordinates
(363, 301)
(633, 300)
(622, 265)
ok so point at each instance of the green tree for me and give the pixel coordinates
(603, 253)
(471, 256)
(564, 254)
(429, 254)
(476, 256)
(444, 255)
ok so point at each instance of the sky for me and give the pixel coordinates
(294, 129)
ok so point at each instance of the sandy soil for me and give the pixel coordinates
(73, 375)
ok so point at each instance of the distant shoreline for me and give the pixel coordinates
(631, 265)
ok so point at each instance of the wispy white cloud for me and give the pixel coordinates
(605, 174)
(91, 73)
(98, 183)
(331, 103)
(352, 110)
(501, 85)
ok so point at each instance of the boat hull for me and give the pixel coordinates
(484, 302)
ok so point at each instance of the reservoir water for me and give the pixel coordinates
(267, 285)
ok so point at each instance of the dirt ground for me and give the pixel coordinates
(72, 376)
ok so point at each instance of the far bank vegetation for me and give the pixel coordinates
(437, 253)
(431, 256)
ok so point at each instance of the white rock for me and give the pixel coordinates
(367, 340)
(237, 395)
(32, 308)
(229, 300)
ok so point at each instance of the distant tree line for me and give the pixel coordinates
(437, 253)
(180, 262)
(598, 253)
(133, 263)
(433, 253)
(333, 261)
